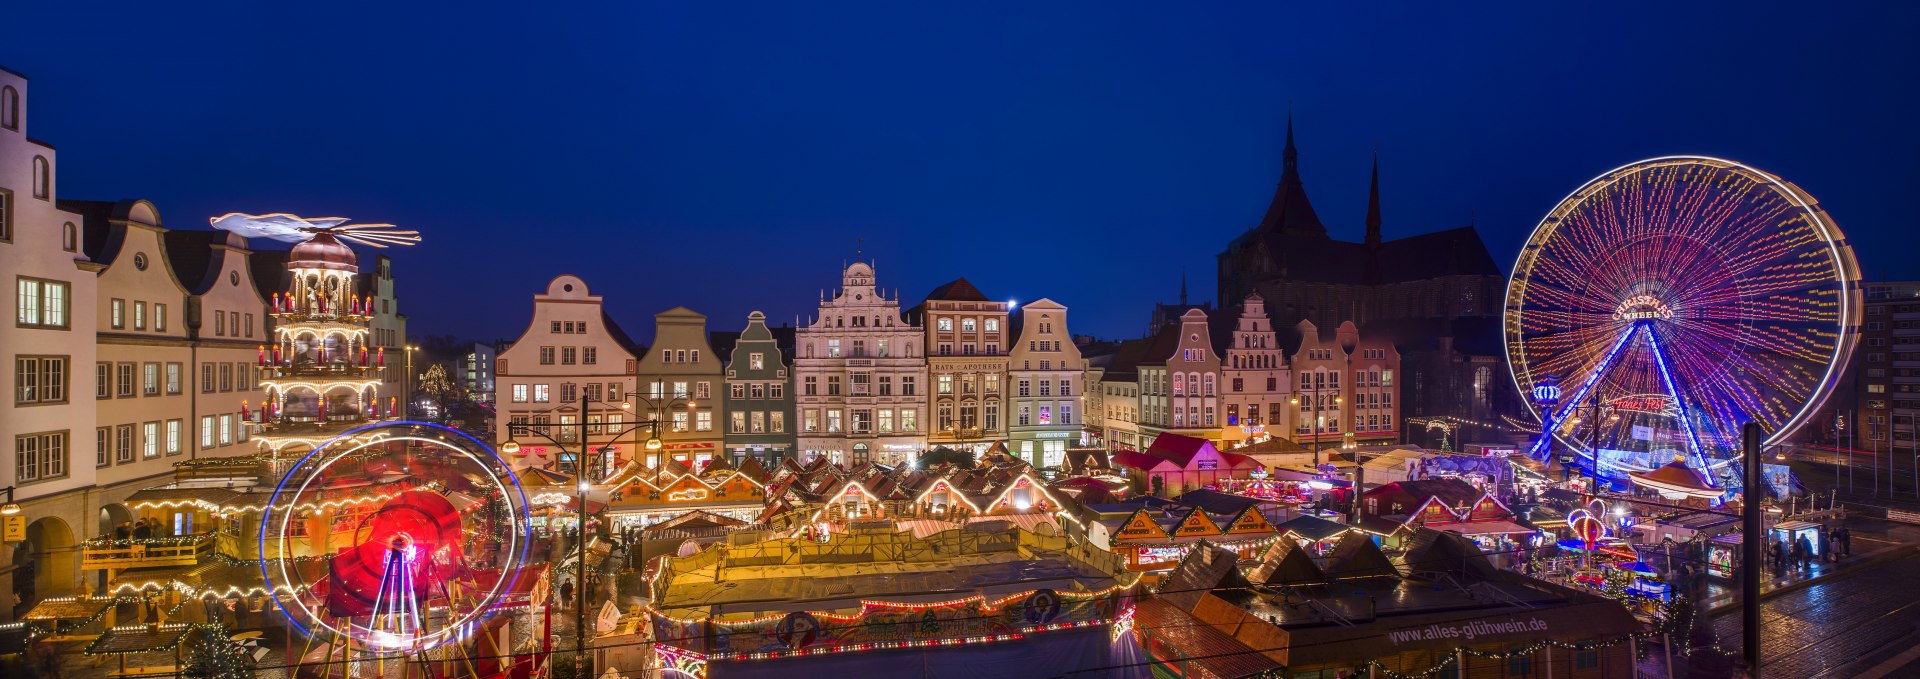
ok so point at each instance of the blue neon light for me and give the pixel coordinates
(1686, 423)
(1592, 379)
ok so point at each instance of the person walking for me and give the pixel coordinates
(1803, 555)
(1825, 545)
(1780, 553)
(1846, 541)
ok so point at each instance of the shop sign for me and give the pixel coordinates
(16, 528)
(1467, 631)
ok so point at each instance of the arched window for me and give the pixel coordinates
(1209, 383)
(1179, 384)
(69, 237)
(42, 178)
(9, 108)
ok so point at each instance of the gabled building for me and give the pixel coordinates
(647, 496)
(571, 362)
(678, 379)
(1345, 387)
(1046, 374)
(759, 397)
(860, 376)
(1398, 509)
(1257, 384)
(967, 342)
(1180, 381)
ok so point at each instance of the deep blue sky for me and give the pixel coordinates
(726, 155)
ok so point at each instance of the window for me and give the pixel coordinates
(810, 420)
(43, 304)
(679, 390)
(703, 390)
(519, 393)
(554, 329)
(249, 325)
(737, 390)
(833, 420)
(909, 420)
(173, 377)
(993, 416)
(117, 314)
(757, 361)
(833, 348)
(943, 384)
(226, 377)
(1046, 387)
(39, 456)
(906, 386)
(6, 215)
(174, 428)
(737, 422)
(541, 394)
(1023, 416)
(150, 440)
(966, 325)
(613, 392)
(42, 178)
(219, 323)
(207, 383)
(833, 385)
(703, 421)
(589, 355)
(226, 430)
(102, 440)
(1024, 388)
(159, 317)
(568, 355)
(206, 437)
(139, 315)
(42, 379)
(679, 421)
(810, 386)
(779, 390)
(546, 355)
(10, 108)
(569, 392)
(1066, 413)
(680, 356)
(993, 325)
(758, 392)
(778, 423)
(150, 379)
(103, 380)
(946, 325)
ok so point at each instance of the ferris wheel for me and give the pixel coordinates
(394, 539)
(1666, 303)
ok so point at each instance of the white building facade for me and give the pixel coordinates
(570, 351)
(860, 377)
(1047, 376)
(1255, 381)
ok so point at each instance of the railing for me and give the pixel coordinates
(101, 553)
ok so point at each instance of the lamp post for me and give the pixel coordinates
(406, 411)
(581, 466)
(1315, 426)
(9, 509)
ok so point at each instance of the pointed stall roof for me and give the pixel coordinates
(1356, 555)
(1286, 563)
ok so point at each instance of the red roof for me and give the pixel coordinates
(1136, 460)
(1176, 448)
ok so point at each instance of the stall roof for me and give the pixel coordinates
(1312, 528)
(140, 639)
(68, 608)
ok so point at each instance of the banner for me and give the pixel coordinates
(884, 623)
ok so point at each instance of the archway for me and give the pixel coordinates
(46, 562)
(111, 515)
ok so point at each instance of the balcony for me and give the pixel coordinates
(103, 553)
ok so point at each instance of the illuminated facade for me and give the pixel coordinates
(50, 349)
(680, 377)
(759, 397)
(1180, 381)
(570, 350)
(967, 341)
(1046, 377)
(1344, 387)
(1255, 381)
(860, 376)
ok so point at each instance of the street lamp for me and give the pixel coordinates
(406, 412)
(512, 446)
(10, 508)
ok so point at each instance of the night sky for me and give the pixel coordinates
(726, 156)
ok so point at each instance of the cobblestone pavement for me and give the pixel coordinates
(1851, 621)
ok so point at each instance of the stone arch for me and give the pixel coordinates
(113, 514)
(51, 556)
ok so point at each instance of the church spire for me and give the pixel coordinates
(1289, 213)
(1373, 205)
(1183, 287)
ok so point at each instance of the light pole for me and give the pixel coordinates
(406, 411)
(581, 466)
(1316, 425)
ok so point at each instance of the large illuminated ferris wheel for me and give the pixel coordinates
(1666, 303)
